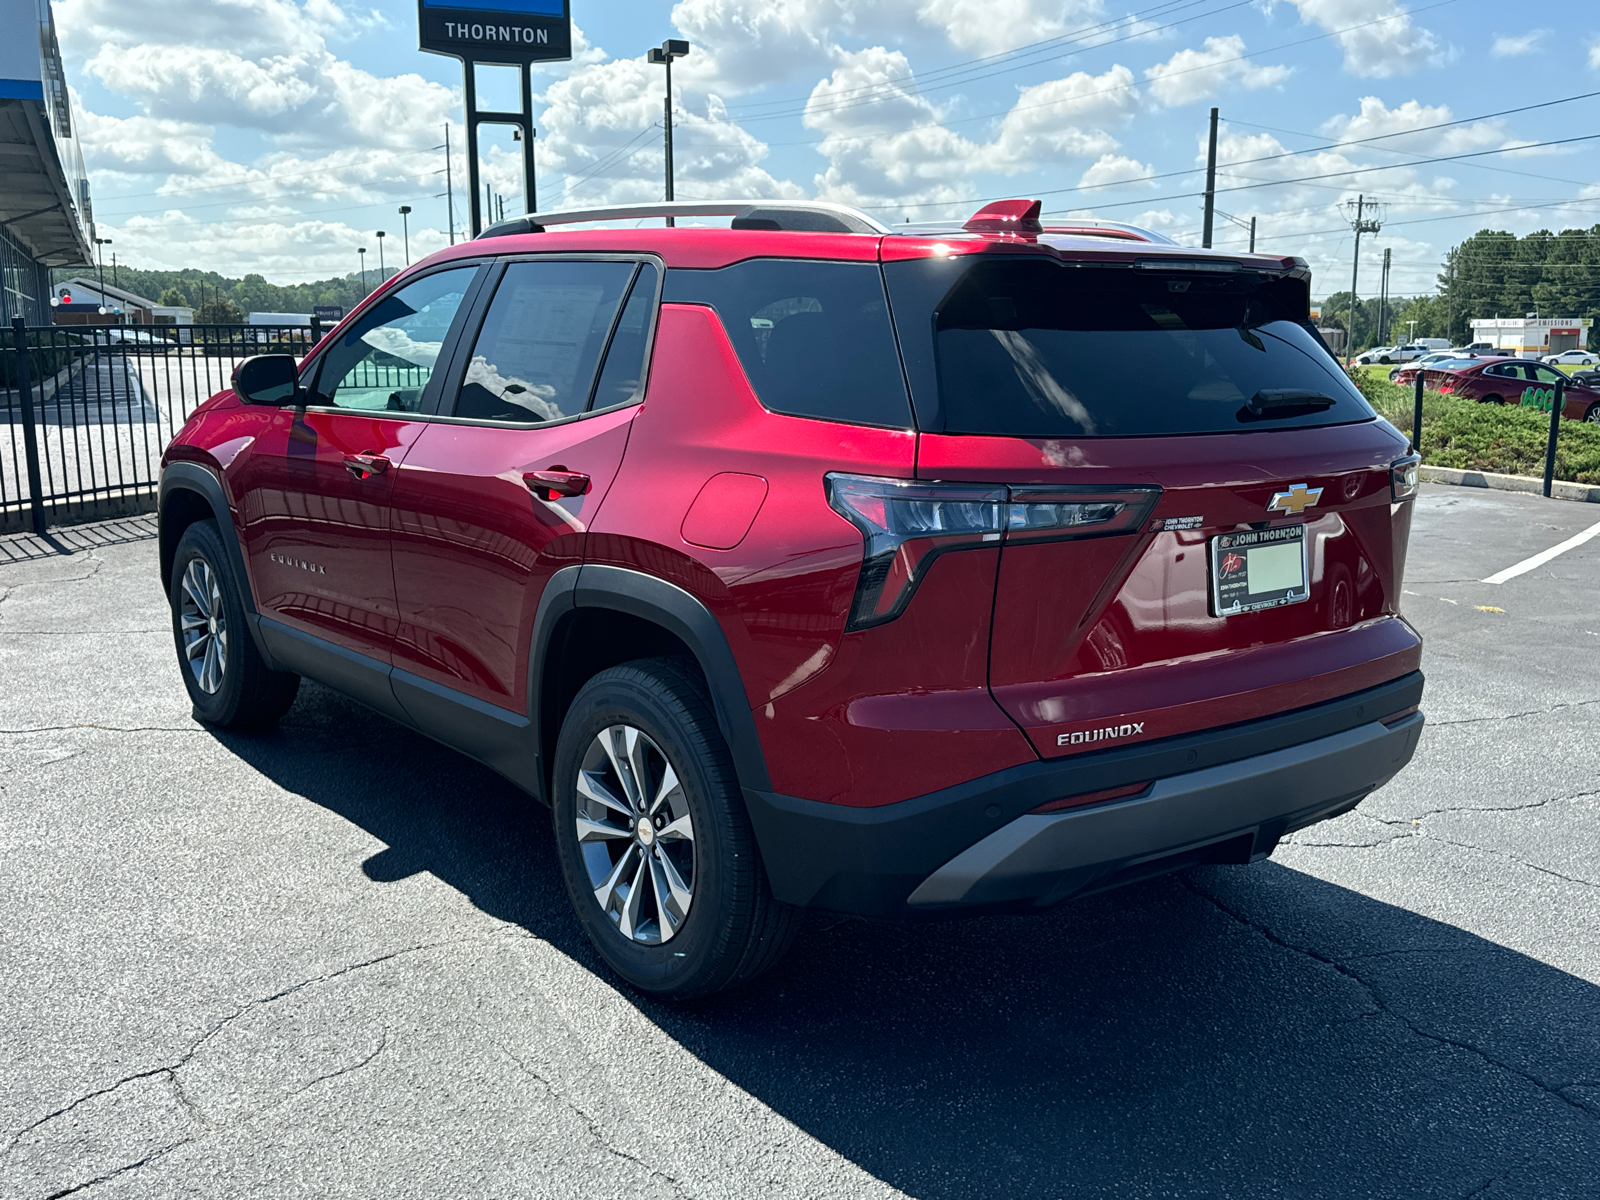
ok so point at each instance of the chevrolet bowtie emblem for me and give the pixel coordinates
(1296, 500)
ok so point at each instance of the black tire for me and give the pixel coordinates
(238, 690)
(1493, 399)
(1385, 360)
(733, 929)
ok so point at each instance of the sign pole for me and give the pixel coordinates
(530, 185)
(469, 70)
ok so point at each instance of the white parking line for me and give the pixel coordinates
(1544, 556)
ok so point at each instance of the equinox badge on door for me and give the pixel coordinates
(1296, 500)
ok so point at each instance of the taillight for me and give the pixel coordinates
(907, 524)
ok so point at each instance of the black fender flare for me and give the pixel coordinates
(192, 477)
(682, 614)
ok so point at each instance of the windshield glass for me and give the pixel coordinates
(1033, 348)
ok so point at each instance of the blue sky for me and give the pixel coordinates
(277, 136)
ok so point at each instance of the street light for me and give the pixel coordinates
(381, 275)
(663, 55)
(363, 253)
(405, 230)
(101, 255)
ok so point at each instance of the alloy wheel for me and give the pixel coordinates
(635, 834)
(204, 626)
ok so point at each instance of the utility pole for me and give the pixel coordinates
(1252, 235)
(115, 282)
(663, 55)
(1211, 183)
(100, 255)
(363, 260)
(1361, 223)
(449, 189)
(405, 230)
(1383, 300)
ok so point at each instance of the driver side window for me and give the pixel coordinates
(383, 362)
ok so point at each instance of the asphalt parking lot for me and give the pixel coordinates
(336, 959)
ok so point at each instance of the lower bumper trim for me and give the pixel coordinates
(1041, 858)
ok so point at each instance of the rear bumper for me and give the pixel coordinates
(1225, 795)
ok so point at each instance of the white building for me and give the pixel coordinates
(1530, 337)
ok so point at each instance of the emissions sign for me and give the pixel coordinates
(496, 31)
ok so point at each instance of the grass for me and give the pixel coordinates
(1485, 437)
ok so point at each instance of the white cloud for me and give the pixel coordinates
(1115, 168)
(1377, 36)
(1594, 54)
(1043, 124)
(1191, 75)
(984, 27)
(1509, 45)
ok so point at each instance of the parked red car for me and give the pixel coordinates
(813, 563)
(1519, 381)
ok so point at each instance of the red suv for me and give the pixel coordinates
(812, 563)
(1518, 381)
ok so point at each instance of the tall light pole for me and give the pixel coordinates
(101, 255)
(663, 55)
(381, 275)
(363, 260)
(405, 230)
(1367, 218)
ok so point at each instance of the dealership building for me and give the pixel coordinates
(45, 219)
(1530, 337)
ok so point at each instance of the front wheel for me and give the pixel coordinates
(1493, 399)
(654, 841)
(229, 683)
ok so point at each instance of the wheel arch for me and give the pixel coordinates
(594, 617)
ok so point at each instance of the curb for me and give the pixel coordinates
(1560, 489)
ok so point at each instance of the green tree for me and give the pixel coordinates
(219, 310)
(172, 297)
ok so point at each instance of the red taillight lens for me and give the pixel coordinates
(907, 524)
(1116, 793)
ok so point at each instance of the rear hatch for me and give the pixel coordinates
(1203, 525)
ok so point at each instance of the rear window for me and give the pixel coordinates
(813, 337)
(1034, 348)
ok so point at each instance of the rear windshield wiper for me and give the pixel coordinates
(1269, 403)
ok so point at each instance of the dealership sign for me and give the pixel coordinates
(503, 31)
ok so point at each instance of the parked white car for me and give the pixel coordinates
(1427, 360)
(1395, 354)
(1582, 358)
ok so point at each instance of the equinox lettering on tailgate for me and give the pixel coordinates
(1100, 735)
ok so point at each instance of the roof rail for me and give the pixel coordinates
(816, 216)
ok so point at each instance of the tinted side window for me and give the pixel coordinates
(625, 362)
(384, 361)
(541, 340)
(814, 337)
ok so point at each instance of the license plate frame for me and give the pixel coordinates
(1231, 591)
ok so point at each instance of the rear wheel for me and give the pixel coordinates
(1592, 414)
(229, 682)
(655, 845)
(1385, 360)
(1493, 399)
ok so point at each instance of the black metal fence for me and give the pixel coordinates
(88, 410)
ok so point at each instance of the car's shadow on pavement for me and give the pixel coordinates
(1236, 1031)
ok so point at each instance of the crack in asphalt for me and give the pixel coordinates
(1555, 1091)
(591, 1123)
(1410, 827)
(170, 1070)
(1538, 712)
(106, 728)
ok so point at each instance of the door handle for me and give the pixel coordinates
(365, 466)
(547, 485)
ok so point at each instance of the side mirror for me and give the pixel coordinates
(270, 379)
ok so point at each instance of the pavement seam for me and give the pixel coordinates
(1538, 712)
(1556, 1091)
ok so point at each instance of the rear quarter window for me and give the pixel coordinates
(1034, 348)
(814, 337)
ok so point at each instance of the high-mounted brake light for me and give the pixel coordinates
(907, 524)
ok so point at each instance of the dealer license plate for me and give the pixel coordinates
(1262, 568)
